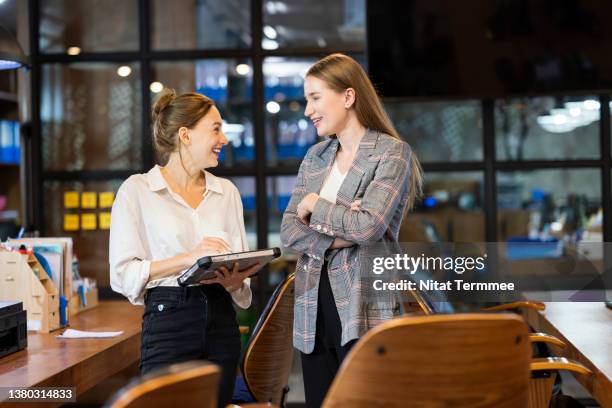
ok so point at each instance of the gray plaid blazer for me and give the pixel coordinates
(379, 177)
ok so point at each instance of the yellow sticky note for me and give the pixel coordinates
(71, 222)
(89, 199)
(105, 218)
(71, 199)
(106, 199)
(88, 221)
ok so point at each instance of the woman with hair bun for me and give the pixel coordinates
(162, 222)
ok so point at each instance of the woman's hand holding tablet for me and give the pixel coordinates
(232, 280)
(216, 268)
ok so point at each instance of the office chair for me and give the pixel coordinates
(461, 360)
(269, 353)
(189, 384)
(543, 370)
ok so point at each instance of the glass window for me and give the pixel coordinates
(289, 133)
(451, 209)
(76, 26)
(91, 116)
(547, 204)
(610, 108)
(279, 190)
(10, 188)
(324, 24)
(198, 24)
(440, 131)
(246, 187)
(87, 233)
(10, 201)
(230, 84)
(547, 128)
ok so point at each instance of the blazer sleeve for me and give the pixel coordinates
(381, 199)
(295, 233)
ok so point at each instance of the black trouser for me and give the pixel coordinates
(320, 367)
(191, 323)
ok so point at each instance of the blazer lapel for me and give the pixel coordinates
(322, 164)
(323, 161)
(353, 179)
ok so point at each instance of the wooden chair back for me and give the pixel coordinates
(460, 360)
(189, 384)
(267, 360)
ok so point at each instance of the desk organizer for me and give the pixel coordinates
(23, 279)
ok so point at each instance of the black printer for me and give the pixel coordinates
(13, 328)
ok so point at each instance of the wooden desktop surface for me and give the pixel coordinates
(79, 363)
(586, 328)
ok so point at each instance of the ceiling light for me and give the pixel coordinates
(232, 127)
(270, 32)
(591, 104)
(276, 7)
(268, 44)
(11, 54)
(555, 123)
(124, 71)
(73, 51)
(273, 107)
(243, 69)
(156, 87)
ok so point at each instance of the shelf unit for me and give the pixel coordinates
(9, 172)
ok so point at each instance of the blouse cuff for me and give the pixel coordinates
(137, 292)
(243, 296)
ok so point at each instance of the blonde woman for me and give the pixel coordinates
(352, 189)
(165, 220)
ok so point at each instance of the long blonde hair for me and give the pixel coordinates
(341, 72)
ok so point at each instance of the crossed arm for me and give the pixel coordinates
(312, 225)
(295, 231)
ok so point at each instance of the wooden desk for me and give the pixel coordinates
(586, 328)
(79, 363)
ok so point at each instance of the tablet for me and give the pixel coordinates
(205, 267)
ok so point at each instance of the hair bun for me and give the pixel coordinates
(167, 96)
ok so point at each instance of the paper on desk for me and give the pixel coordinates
(79, 334)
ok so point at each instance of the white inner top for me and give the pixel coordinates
(332, 184)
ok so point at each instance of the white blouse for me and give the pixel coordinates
(149, 222)
(332, 184)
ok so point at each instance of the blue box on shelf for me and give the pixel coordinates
(6, 141)
(518, 248)
(16, 156)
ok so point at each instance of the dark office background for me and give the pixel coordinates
(490, 163)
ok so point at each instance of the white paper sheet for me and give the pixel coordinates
(78, 334)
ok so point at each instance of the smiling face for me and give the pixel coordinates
(205, 140)
(326, 108)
